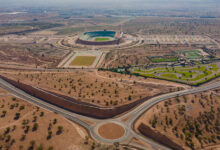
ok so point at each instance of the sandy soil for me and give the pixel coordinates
(89, 87)
(138, 56)
(182, 111)
(3, 91)
(135, 141)
(132, 78)
(44, 32)
(15, 55)
(72, 136)
(111, 131)
(216, 147)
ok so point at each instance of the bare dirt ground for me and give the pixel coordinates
(191, 121)
(6, 18)
(34, 125)
(44, 32)
(4, 30)
(138, 56)
(132, 79)
(170, 25)
(90, 87)
(111, 131)
(2, 91)
(215, 147)
(37, 128)
(122, 58)
(135, 141)
(16, 55)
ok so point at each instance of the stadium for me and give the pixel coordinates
(100, 38)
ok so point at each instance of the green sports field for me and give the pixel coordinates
(191, 54)
(98, 36)
(101, 39)
(164, 59)
(83, 61)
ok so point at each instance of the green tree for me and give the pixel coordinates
(116, 145)
(17, 116)
(40, 147)
(32, 144)
(41, 114)
(49, 135)
(86, 140)
(35, 119)
(21, 107)
(54, 121)
(59, 129)
(23, 137)
(4, 113)
(7, 130)
(8, 138)
(35, 127)
(21, 147)
(50, 148)
(129, 97)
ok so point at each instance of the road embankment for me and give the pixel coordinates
(75, 105)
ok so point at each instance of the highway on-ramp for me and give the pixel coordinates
(133, 114)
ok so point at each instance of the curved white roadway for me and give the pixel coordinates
(133, 114)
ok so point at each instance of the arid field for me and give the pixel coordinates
(104, 83)
(191, 121)
(25, 126)
(91, 87)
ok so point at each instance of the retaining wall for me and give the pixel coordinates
(156, 136)
(75, 105)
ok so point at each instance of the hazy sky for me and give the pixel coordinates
(110, 3)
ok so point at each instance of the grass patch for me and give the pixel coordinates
(101, 39)
(83, 61)
(164, 59)
(191, 54)
(193, 75)
(214, 67)
(169, 76)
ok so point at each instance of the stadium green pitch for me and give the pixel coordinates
(101, 39)
(99, 36)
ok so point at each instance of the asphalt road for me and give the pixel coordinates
(134, 114)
